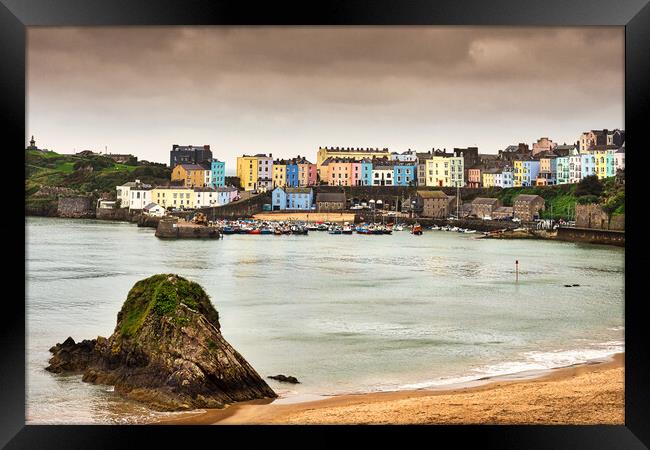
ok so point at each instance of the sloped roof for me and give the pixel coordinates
(432, 194)
(330, 197)
(527, 198)
(151, 206)
(485, 201)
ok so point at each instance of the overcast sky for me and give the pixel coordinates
(289, 90)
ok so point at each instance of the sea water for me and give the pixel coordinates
(342, 313)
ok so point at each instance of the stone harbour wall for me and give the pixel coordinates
(76, 207)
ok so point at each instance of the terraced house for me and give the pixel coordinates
(168, 197)
(192, 175)
(526, 171)
(445, 171)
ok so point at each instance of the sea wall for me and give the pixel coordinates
(75, 207)
(240, 209)
(592, 236)
(592, 216)
(172, 228)
(122, 214)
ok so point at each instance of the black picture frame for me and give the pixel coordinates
(16, 15)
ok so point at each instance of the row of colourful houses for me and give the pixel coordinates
(261, 173)
(210, 173)
(548, 169)
(136, 195)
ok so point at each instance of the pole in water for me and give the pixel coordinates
(516, 271)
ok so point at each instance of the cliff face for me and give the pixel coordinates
(167, 351)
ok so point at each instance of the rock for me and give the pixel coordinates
(166, 350)
(285, 379)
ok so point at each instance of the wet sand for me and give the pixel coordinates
(591, 393)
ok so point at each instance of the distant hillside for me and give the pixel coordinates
(81, 175)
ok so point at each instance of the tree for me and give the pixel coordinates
(590, 185)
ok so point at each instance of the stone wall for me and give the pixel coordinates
(592, 216)
(122, 214)
(172, 228)
(76, 207)
(592, 236)
(240, 209)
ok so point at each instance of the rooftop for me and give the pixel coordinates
(330, 197)
(432, 194)
(485, 201)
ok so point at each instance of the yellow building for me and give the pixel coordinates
(518, 173)
(174, 196)
(445, 171)
(605, 163)
(192, 175)
(247, 172)
(354, 153)
(279, 173)
(488, 179)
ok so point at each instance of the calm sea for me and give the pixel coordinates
(342, 313)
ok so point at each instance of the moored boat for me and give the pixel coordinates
(416, 229)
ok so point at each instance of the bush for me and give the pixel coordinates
(590, 185)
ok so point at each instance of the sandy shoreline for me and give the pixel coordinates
(590, 393)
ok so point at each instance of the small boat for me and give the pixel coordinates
(254, 231)
(335, 230)
(361, 230)
(228, 230)
(398, 228)
(277, 231)
(322, 227)
(416, 229)
(266, 230)
(312, 227)
(347, 229)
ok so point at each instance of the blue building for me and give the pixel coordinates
(404, 174)
(292, 174)
(587, 165)
(294, 198)
(217, 173)
(366, 172)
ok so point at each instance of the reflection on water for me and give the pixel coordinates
(341, 313)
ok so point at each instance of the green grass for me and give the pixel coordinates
(162, 295)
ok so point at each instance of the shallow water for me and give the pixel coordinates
(342, 313)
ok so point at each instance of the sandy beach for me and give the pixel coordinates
(591, 393)
(307, 216)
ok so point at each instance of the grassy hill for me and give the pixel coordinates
(80, 174)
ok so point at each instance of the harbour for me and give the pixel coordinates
(343, 313)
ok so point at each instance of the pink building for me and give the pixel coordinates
(543, 144)
(307, 174)
(355, 170)
(474, 177)
(340, 172)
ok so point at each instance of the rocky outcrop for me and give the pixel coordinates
(166, 350)
(285, 379)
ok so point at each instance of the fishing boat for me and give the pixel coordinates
(416, 229)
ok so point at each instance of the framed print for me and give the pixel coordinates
(346, 214)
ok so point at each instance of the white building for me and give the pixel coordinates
(264, 172)
(575, 169)
(382, 176)
(205, 197)
(619, 158)
(154, 209)
(134, 194)
(407, 156)
(504, 178)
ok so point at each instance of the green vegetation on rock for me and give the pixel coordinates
(163, 294)
(83, 174)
